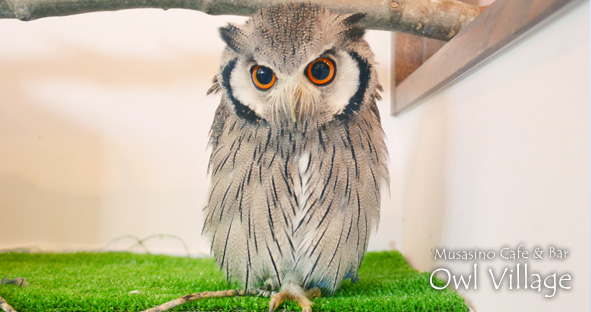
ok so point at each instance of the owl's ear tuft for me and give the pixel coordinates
(353, 33)
(216, 87)
(232, 36)
(353, 19)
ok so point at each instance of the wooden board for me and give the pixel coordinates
(411, 51)
(494, 28)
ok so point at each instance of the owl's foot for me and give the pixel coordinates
(294, 292)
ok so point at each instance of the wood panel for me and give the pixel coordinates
(411, 51)
(498, 25)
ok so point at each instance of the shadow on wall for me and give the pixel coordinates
(33, 216)
(48, 170)
(84, 65)
(424, 202)
(57, 133)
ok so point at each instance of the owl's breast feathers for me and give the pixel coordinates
(295, 204)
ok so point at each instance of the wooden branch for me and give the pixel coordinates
(19, 281)
(439, 19)
(202, 295)
(5, 306)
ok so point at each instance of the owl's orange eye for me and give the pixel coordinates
(321, 71)
(262, 77)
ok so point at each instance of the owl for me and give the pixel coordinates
(297, 152)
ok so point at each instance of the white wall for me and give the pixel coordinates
(103, 128)
(501, 158)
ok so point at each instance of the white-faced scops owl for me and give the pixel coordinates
(298, 153)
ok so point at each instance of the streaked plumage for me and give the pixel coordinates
(296, 169)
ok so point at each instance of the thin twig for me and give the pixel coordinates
(5, 306)
(140, 242)
(439, 19)
(161, 236)
(19, 281)
(116, 239)
(203, 295)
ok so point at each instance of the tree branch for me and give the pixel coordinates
(5, 306)
(438, 19)
(202, 295)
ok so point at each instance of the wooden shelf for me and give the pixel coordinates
(498, 25)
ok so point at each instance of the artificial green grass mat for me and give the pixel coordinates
(132, 282)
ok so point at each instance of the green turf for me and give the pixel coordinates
(105, 281)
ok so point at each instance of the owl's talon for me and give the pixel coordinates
(313, 292)
(297, 294)
(276, 300)
(304, 301)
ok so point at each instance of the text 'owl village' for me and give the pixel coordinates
(518, 276)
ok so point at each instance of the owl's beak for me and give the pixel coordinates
(293, 112)
(294, 104)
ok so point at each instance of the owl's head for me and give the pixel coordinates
(297, 64)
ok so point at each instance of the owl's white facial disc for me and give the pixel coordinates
(244, 89)
(345, 84)
(295, 89)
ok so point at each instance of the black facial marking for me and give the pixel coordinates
(242, 110)
(357, 99)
